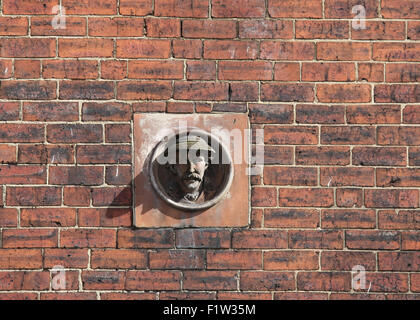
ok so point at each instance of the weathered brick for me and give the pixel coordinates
(344, 176)
(67, 175)
(136, 7)
(410, 240)
(30, 238)
(153, 280)
(291, 260)
(293, 51)
(315, 239)
(28, 90)
(103, 280)
(68, 258)
(9, 110)
(181, 8)
(380, 30)
(177, 259)
(192, 49)
(115, 27)
(24, 280)
(287, 92)
(41, 26)
(348, 219)
(373, 114)
(373, 240)
(267, 281)
(163, 28)
(312, 29)
(295, 9)
(74, 133)
(23, 174)
(399, 261)
(379, 156)
(139, 238)
(348, 135)
(259, 239)
(269, 29)
(343, 51)
(346, 260)
(291, 218)
(48, 217)
(398, 198)
(27, 69)
(88, 90)
(263, 197)
(394, 135)
(103, 154)
(200, 90)
(118, 175)
(111, 196)
(307, 155)
(219, 29)
(342, 9)
(143, 48)
(28, 6)
(111, 217)
(70, 69)
(41, 153)
(328, 71)
(403, 219)
(88, 238)
(50, 111)
(230, 49)
(33, 196)
(344, 92)
(293, 176)
(20, 259)
(371, 72)
(28, 48)
(201, 70)
(8, 216)
(349, 197)
(113, 69)
(324, 281)
(406, 9)
(245, 70)
(395, 51)
(118, 259)
(84, 48)
(306, 197)
(138, 69)
(202, 238)
(153, 90)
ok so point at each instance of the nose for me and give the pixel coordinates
(190, 166)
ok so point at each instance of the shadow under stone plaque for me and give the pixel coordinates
(185, 173)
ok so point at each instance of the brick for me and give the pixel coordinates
(163, 28)
(50, 111)
(103, 280)
(219, 29)
(307, 155)
(90, 7)
(263, 197)
(413, 30)
(342, 9)
(278, 155)
(290, 135)
(395, 51)
(30, 238)
(28, 90)
(210, 280)
(181, 8)
(291, 260)
(404, 177)
(406, 9)
(139, 238)
(243, 91)
(172, 69)
(293, 176)
(259, 239)
(291, 218)
(300, 296)
(144, 90)
(116, 27)
(245, 70)
(48, 217)
(306, 197)
(373, 114)
(315, 239)
(33, 196)
(68, 296)
(319, 114)
(344, 176)
(377, 156)
(10, 132)
(6, 67)
(68, 175)
(24, 280)
(9, 110)
(343, 51)
(287, 71)
(8, 217)
(403, 219)
(103, 154)
(111, 111)
(110, 217)
(410, 240)
(202, 238)
(346, 260)
(414, 156)
(225, 295)
(111, 196)
(373, 240)
(380, 30)
(399, 198)
(230, 49)
(88, 238)
(177, 259)
(344, 92)
(267, 281)
(308, 29)
(68, 258)
(190, 49)
(41, 26)
(23, 174)
(136, 8)
(404, 136)
(245, 260)
(200, 90)
(371, 72)
(118, 259)
(28, 7)
(399, 261)
(265, 29)
(118, 175)
(74, 133)
(238, 9)
(387, 282)
(190, 295)
(20, 259)
(27, 48)
(324, 281)
(399, 72)
(294, 51)
(201, 70)
(18, 296)
(143, 48)
(347, 135)
(84, 48)
(349, 197)
(27, 69)
(38, 153)
(348, 219)
(180, 107)
(113, 69)
(153, 280)
(287, 92)
(128, 296)
(13, 26)
(295, 9)
(7, 154)
(328, 71)
(415, 282)
(270, 113)
(411, 114)
(70, 69)
(88, 90)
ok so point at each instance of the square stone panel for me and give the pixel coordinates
(151, 211)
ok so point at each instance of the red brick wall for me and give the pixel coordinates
(339, 108)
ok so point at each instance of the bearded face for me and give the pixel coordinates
(190, 175)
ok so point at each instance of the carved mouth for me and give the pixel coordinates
(192, 177)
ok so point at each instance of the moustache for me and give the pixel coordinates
(192, 176)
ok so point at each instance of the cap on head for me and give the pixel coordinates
(193, 142)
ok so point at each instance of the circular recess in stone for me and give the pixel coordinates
(191, 170)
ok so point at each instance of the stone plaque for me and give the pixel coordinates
(191, 170)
